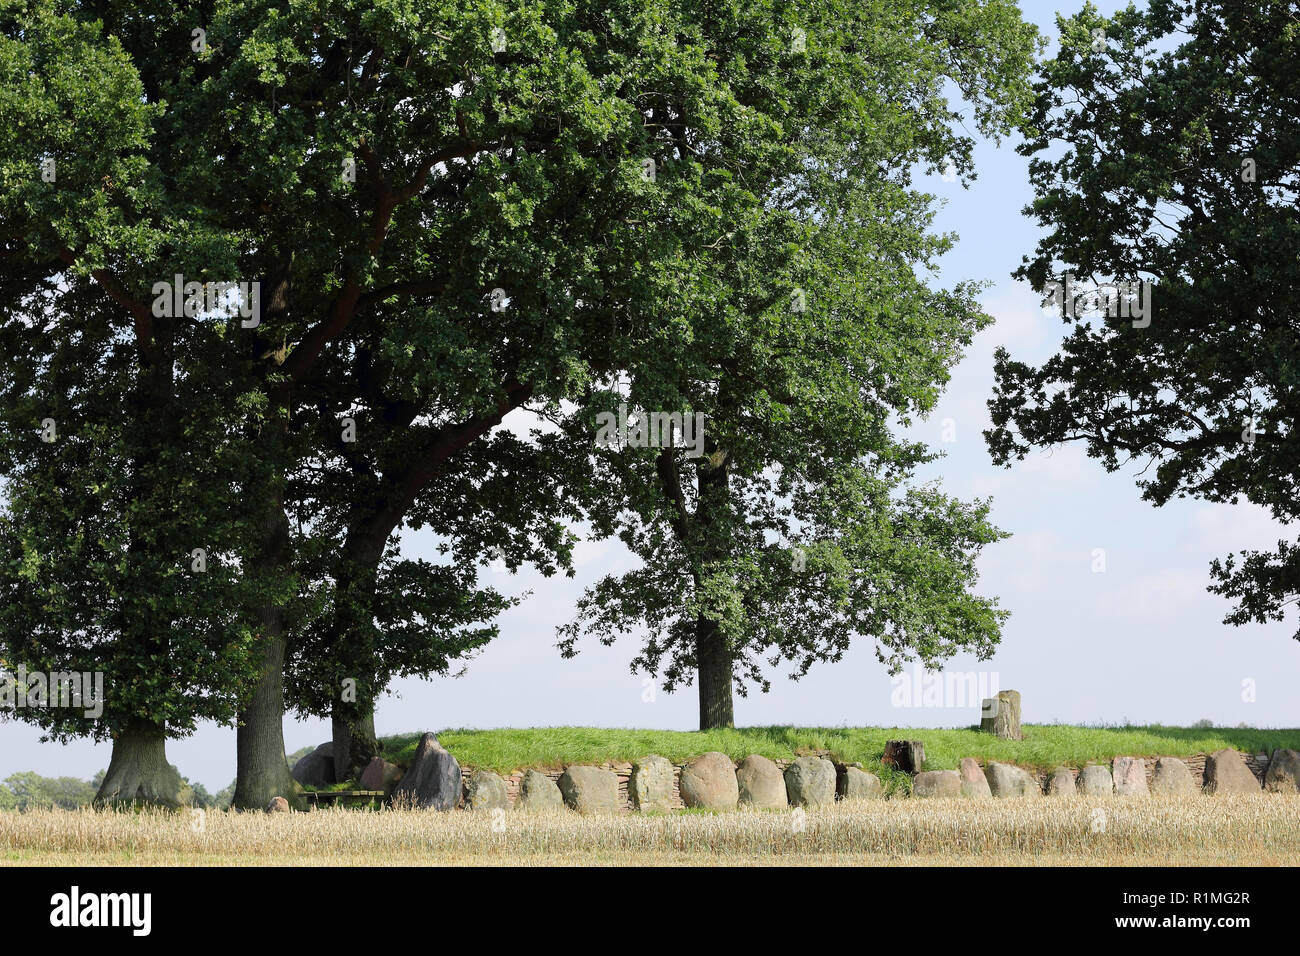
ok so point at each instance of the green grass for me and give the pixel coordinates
(1044, 746)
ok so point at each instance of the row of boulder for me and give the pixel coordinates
(712, 781)
(1226, 771)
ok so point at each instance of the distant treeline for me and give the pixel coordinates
(31, 791)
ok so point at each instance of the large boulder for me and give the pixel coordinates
(1283, 774)
(486, 791)
(810, 782)
(1130, 775)
(432, 781)
(380, 775)
(906, 755)
(853, 783)
(1171, 775)
(973, 782)
(537, 791)
(1226, 772)
(1095, 781)
(760, 783)
(589, 789)
(278, 805)
(1061, 783)
(937, 783)
(1008, 780)
(651, 784)
(709, 782)
(317, 768)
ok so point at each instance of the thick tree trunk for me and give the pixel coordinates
(138, 771)
(1002, 715)
(353, 642)
(713, 661)
(262, 771)
(713, 657)
(355, 743)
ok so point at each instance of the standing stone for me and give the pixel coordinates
(651, 784)
(316, 769)
(937, 783)
(1008, 780)
(760, 783)
(973, 782)
(1130, 774)
(1061, 783)
(486, 791)
(589, 789)
(537, 791)
(1226, 772)
(380, 775)
(810, 782)
(907, 755)
(853, 783)
(1283, 772)
(432, 781)
(1001, 715)
(1171, 775)
(1095, 781)
(709, 781)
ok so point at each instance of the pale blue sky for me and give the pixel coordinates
(1142, 641)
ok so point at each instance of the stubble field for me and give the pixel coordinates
(1247, 830)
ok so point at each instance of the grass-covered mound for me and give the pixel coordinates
(1044, 746)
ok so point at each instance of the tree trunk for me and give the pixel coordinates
(262, 770)
(713, 658)
(713, 663)
(138, 771)
(1002, 715)
(354, 645)
(355, 743)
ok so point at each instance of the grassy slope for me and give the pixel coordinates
(1044, 746)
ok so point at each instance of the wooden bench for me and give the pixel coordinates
(316, 796)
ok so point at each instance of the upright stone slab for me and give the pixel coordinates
(1130, 774)
(1283, 774)
(1226, 772)
(1008, 780)
(907, 755)
(432, 781)
(709, 782)
(1061, 783)
(936, 783)
(538, 792)
(590, 790)
(973, 782)
(380, 775)
(1172, 776)
(650, 785)
(1095, 781)
(316, 769)
(854, 783)
(810, 782)
(1001, 716)
(760, 783)
(486, 791)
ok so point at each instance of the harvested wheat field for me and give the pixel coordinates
(1248, 830)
